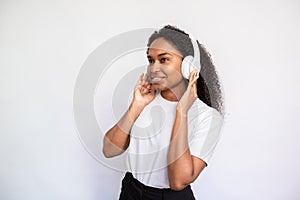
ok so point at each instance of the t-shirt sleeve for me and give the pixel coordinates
(205, 135)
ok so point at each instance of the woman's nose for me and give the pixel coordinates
(155, 67)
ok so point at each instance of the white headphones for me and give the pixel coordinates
(190, 63)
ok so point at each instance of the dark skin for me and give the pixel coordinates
(164, 74)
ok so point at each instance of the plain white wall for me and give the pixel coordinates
(254, 44)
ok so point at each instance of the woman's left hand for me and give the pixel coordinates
(190, 94)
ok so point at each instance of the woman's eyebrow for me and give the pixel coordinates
(161, 54)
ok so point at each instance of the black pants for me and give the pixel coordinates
(132, 189)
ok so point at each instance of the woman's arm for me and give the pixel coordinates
(117, 139)
(183, 168)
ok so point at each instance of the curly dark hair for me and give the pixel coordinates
(208, 85)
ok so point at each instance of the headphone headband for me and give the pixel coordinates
(196, 58)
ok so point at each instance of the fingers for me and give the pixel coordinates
(193, 77)
(193, 81)
(145, 81)
(150, 91)
(143, 84)
(194, 87)
(139, 82)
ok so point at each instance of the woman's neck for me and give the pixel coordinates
(175, 93)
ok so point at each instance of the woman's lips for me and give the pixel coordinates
(156, 80)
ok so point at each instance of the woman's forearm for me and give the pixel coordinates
(180, 169)
(117, 139)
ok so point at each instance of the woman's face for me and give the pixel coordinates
(164, 70)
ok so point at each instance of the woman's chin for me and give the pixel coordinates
(159, 87)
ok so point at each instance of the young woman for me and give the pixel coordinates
(172, 124)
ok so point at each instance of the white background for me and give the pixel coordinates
(254, 44)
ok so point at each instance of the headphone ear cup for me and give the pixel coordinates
(186, 66)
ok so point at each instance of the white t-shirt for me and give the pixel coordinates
(151, 133)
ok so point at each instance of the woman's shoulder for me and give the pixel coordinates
(200, 111)
(203, 120)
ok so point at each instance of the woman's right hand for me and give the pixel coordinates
(143, 92)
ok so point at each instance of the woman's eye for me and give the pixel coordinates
(164, 60)
(150, 61)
